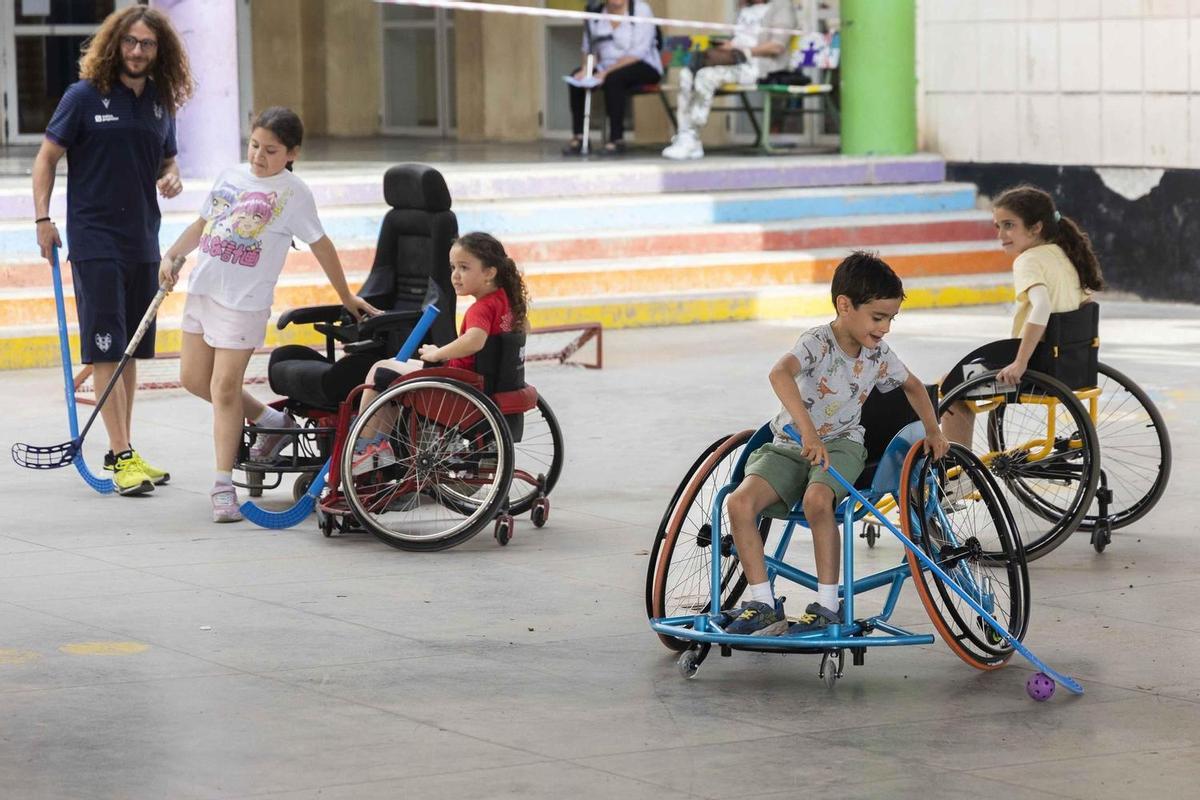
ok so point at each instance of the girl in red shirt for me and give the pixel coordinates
(479, 268)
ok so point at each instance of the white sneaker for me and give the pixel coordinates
(684, 145)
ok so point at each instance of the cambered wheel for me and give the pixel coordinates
(1135, 450)
(1048, 481)
(537, 458)
(970, 534)
(444, 473)
(678, 578)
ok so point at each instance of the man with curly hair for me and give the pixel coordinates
(116, 125)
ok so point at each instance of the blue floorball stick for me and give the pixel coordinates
(1072, 685)
(101, 485)
(60, 455)
(293, 516)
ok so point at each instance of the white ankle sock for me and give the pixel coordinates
(761, 593)
(223, 479)
(271, 418)
(827, 595)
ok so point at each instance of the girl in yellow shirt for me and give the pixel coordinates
(1055, 270)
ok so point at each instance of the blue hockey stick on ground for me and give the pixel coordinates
(304, 506)
(1072, 685)
(101, 485)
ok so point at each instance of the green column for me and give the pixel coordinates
(879, 77)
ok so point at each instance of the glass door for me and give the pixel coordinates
(418, 71)
(39, 52)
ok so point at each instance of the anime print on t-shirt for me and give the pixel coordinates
(237, 219)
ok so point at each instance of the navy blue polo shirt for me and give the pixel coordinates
(115, 149)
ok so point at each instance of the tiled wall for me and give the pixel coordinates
(1097, 82)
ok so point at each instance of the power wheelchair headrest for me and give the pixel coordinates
(416, 186)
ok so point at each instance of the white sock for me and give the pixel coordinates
(827, 595)
(223, 479)
(271, 418)
(761, 593)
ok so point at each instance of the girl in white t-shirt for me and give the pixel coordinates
(244, 231)
(1055, 270)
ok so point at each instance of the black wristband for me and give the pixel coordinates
(43, 219)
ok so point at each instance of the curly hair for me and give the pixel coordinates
(100, 60)
(491, 253)
(1033, 205)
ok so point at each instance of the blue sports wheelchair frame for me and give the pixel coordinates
(854, 634)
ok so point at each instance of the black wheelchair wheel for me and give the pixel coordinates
(1135, 451)
(539, 454)
(446, 472)
(678, 578)
(954, 511)
(1049, 483)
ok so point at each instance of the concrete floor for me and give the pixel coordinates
(147, 653)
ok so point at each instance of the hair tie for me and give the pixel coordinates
(1057, 217)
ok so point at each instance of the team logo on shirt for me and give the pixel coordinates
(107, 118)
(105, 100)
(103, 341)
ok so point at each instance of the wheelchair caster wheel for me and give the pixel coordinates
(504, 530)
(871, 534)
(300, 487)
(831, 667)
(540, 512)
(989, 633)
(326, 523)
(1102, 535)
(690, 660)
(1040, 687)
(254, 484)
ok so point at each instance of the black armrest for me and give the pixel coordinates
(387, 321)
(303, 316)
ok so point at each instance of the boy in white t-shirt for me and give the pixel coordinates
(245, 229)
(822, 383)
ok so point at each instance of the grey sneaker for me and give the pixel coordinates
(814, 618)
(267, 446)
(225, 504)
(759, 619)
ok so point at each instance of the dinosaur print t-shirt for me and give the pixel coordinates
(249, 224)
(835, 385)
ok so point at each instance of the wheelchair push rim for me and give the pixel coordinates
(452, 465)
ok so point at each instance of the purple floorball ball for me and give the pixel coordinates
(1040, 686)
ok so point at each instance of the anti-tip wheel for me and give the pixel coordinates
(1040, 686)
(540, 512)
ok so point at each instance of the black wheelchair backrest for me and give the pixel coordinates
(1070, 349)
(501, 362)
(414, 246)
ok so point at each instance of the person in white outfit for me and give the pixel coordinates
(752, 53)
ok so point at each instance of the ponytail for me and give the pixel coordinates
(491, 253)
(1033, 205)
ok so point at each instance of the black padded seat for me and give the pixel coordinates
(412, 253)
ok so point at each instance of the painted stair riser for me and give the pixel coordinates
(659, 213)
(747, 274)
(42, 350)
(556, 181)
(527, 252)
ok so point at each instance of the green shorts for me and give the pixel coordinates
(789, 473)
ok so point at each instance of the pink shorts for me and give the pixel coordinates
(224, 328)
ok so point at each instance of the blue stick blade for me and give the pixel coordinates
(101, 485)
(278, 520)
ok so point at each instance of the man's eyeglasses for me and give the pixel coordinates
(130, 42)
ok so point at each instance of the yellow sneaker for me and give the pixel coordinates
(157, 476)
(128, 476)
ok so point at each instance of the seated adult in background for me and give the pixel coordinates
(627, 57)
(751, 54)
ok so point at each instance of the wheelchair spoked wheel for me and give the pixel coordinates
(1049, 483)
(445, 471)
(1135, 451)
(970, 533)
(678, 579)
(539, 455)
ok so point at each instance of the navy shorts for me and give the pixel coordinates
(111, 298)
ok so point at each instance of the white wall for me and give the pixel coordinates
(1097, 82)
